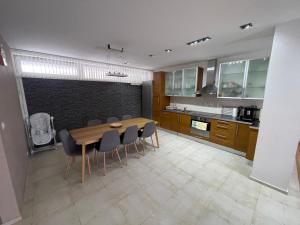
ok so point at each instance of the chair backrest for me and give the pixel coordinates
(112, 119)
(40, 128)
(126, 117)
(94, 122)
(67, 141)
(149, 130)
(130, 135)
(110, 140)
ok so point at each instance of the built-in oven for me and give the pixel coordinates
(200, 126)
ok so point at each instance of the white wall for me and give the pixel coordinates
(280, 119)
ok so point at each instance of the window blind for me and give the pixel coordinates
(38, 65)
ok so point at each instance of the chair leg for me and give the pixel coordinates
(117, 152)
(126, 157)
(136, 149)
(143, 144)
(152, 143)
(104, 165)
(95, 157)
(69, 163)
(88, 162)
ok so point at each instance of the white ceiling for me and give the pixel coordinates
(82, 28)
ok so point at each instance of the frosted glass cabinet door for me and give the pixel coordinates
(257, 75)
(189, 82)
(169, 84)
(177, 88)
(232, 79)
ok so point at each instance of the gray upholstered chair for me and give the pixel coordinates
(147, 132)
(72, 149)
(94, 122)
(112, 119)
(129, 137)
(110, 142)
(126, 117)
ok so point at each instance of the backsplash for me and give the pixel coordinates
(214, 102)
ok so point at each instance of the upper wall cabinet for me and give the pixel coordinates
(243, 79)
(256, 79)
(182, 82)
(169, 80)
(232, 77)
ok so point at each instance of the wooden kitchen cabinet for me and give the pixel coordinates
(165, 121)
(223, 132)
(184, 124)
(169, 120)
(231, 134)
(176, 122)
(159, 100)
(251, 144)
(241, 137)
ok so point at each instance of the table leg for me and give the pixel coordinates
(156, 137)
(83, 164)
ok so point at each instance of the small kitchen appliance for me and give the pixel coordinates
(249, 113)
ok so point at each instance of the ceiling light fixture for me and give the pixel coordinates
(246, 26)
(193, 43)
(116, 74)
(168, 50)
(151, 55)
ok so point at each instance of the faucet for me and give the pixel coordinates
(184, 109)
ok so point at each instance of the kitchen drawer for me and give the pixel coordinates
(223, 125)
(222, 139)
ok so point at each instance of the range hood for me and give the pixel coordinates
(210, 88)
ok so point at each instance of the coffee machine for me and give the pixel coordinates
(248, 114)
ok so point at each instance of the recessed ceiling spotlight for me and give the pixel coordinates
(151, 55)
(192, 43)
(168, 50)
(246, 26)
(206, 38)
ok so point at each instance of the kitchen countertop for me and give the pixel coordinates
(214, 116)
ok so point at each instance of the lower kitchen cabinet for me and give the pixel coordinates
(241, 137)
(176, 122)
(223, 132)
(227, 133)
(251, 144)
(184, 123)
(169, 120)
(230, 134)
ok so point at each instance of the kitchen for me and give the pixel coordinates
(218, 104)
(149, 112)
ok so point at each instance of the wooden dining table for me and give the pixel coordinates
(93, 134)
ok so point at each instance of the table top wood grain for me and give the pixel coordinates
(92, 134)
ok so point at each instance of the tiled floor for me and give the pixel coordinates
(183, 182)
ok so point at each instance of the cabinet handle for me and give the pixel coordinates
(223, 122)
(237, 130)
(158, 101)
(221, 136)
(222, 127)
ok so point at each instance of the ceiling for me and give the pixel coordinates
(82, 29)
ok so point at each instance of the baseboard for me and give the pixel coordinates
(269, 185)
(13, 221)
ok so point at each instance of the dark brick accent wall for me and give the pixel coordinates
(73, 103)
